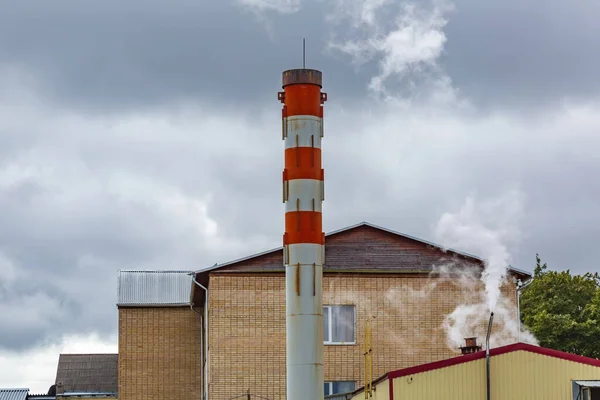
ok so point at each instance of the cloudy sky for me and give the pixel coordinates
(146, 134)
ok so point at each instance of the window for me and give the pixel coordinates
(586, 390)
(338, 324)
(339, 387)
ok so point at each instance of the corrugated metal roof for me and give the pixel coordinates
(154, 288)
(13, 394)
(593, 384)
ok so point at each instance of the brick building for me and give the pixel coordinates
(221, 330)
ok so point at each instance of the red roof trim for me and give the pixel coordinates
(493, 352)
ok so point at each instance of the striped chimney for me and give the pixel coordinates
(303, 240)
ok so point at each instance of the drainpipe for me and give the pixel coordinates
(520, 286)
(487, 356)
(205, 320)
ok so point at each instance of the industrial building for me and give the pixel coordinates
(174, 339)
(517, 371)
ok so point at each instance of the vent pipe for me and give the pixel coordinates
(303, 240)
(487, 356)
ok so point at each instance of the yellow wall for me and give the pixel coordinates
(515, 375)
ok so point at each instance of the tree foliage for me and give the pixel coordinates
(563, 310)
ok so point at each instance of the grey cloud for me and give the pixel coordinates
(527, 55)
(137, 142)
(126, 194)
(112, 56)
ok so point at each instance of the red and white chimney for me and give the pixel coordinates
(303, 240)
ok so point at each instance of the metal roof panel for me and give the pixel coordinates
(13, 394)
(154, 288)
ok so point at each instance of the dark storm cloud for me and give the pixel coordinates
(525, 54)
(114, 55)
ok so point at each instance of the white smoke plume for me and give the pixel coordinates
(487, 229)
(280, 6)
(407, 39)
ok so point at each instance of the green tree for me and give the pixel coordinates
(563, 310)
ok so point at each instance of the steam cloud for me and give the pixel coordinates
(486, 229)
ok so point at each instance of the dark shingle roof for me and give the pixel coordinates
(87, 373)
(364, 247)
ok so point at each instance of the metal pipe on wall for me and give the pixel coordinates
(520, 287)
(303, 240)
(205, 320)
(487, 357)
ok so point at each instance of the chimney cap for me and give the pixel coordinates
(470, 346)
(302, 76)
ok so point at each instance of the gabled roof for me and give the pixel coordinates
(13, 394)
(481, 355)
(404, 236)
(493, 352)
(87, 373)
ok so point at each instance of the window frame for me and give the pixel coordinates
(586, 393)
(330, 384)
(330, 326)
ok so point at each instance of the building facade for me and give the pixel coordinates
(220, 332)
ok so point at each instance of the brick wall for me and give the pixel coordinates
(247, 328)
(159, 354)
(59, 397)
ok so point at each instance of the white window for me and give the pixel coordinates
(338, 324)
(339, 387)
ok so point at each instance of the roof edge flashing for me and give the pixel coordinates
(153, 305)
